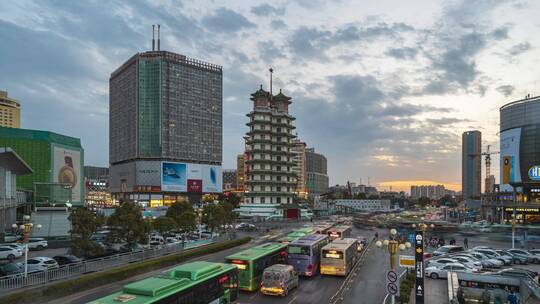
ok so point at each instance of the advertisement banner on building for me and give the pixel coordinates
(212, 178)
(192, 178)
(173, 177)
(67, 170)
(510, 171)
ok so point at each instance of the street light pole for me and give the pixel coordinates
(393, 247)
(26, 228)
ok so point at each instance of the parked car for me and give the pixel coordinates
(536, 255)
(37, 243)
(279, 279)
(246, 227)
(447, 250)
(11, 269)
(517, 258)
(41, 264)
(11, 237)
(530, 257)
(156, 240)
(133, 248)
(8, 253)
(15, 246)
(435, 272)
(486, 262)
(440, 262)
(494, 255)
(66, 259)
(469, 262)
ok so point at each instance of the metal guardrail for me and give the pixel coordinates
(93, 265)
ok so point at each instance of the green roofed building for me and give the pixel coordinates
(57, 163)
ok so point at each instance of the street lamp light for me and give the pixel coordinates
(393, 247)
(26, 229)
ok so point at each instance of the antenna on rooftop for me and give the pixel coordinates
(158, 26)
(271, 72)
(153, 40)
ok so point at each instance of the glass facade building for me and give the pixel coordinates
(317, 172)
(471, 164)
(163, 107)
(56, 160)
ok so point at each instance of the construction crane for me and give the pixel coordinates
(487, 154)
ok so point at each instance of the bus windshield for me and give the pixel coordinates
(295, 249)
(332, 254)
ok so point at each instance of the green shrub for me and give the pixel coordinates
(101, 278)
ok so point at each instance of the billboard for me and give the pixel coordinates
(173, 177)
(510, 171)
(193, 178)
(67, 170)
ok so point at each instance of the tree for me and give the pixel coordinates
(360, 195)
(164, 224)
(231, 198)
(213, 216)
(183, 214)
(84, 223)
(447, 200)
(127, 225)
(228, 210)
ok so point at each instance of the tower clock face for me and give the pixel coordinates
(67, 176)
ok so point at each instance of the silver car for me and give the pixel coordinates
(442, 272)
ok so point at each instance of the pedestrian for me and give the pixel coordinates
(486, 296)
(466, 243)
(460, 296)
(512, 297)
(376, 235)
(452, 241)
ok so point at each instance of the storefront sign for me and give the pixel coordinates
(510, 209)
(534, 173)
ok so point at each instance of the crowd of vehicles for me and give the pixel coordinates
(480, 259)
(272, 268)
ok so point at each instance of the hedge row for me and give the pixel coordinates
(407, 284)
(97, 279)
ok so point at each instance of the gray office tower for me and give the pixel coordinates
(164, 107)
(471, 164)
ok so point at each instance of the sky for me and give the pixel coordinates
(383, 88)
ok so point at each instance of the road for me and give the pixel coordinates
(318, 289)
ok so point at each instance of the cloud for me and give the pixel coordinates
(227, 21)
(402, 53)
(269, 51)
(278, 24)
(267, 10)
(506, 90)
(520, 48)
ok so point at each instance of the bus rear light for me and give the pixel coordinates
(310, 267)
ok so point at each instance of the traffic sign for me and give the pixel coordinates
(391, 276)
(392, 289)
(406, 261)
(419, 267)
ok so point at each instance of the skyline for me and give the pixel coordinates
(416, 79)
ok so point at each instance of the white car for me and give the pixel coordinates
(441, 262)
(442, 272)
(14, 246)
(41, 264)
(486, 260)
(494, 255)
(8, 253)
(37, 243)
(469, 262)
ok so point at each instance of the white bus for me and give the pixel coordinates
(339, 257)
(339, 232)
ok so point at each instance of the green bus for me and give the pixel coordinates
(192, 283)
(295, 234)
(252, 262)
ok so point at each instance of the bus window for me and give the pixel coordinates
(303, 250)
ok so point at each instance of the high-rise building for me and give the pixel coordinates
(229, 179)
(316, 172)
(429, 191)
(270, 179)
(165, 127)
(299, 158)
(489, 185)
(240, 172)
(10, 111)
(471, 164)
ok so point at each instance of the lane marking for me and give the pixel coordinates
(293, 299)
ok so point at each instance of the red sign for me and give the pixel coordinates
(194, 185)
